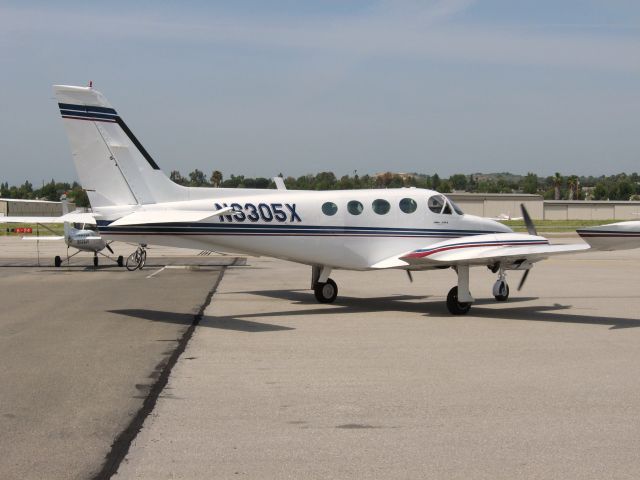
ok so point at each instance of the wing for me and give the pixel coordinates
(69, 217)
(51, 237)
(30, 220)
(512, 250)
(613, 236)
(168, 216)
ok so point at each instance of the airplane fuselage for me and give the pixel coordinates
(350, 229)
(84, 240)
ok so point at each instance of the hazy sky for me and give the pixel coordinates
(258, 87)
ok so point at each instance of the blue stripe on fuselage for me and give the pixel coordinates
(271, 229)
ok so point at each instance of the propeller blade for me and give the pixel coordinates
(109, 248)
(409, 275)
(524, 279)
(531, 228)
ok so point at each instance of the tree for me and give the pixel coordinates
(601, 192)
(216, 178)
(458, 181)
(435, 181)
(572, 183)
(79, 196)
(557, 183)
(530, 183)
(325, 181)
(197, 178)
(176, 177)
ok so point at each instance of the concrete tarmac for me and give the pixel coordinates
(107, 370)
(386, 384)
(79, 352)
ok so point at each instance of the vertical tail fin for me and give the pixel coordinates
(113, 166)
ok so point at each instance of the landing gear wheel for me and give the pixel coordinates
(57, 261)
(95, 260)
(120, 260)
(326, 292)
(501, 291)
(454, 306)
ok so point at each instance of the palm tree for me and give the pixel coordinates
(216, 178)
(571, 183)
(557, 183)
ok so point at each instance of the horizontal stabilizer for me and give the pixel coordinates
(168, 216)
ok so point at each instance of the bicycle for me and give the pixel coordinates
(137, 259)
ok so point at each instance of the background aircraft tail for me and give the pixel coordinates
(113, 166)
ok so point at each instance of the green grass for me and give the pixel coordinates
(55, 229)
(556, 225)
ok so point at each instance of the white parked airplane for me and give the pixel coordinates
(406, 228)
(79, 233)
(613, 236)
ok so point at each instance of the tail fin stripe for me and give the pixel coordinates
(86, 108)
(138, 145)
(104, 114)
(87, 116)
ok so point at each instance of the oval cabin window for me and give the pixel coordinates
(408, 205)
(354, 207)
(380, 206)
(329, 208)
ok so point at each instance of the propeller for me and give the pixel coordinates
(409, 275)
(109, 248)
(531, 228)
(524, 279)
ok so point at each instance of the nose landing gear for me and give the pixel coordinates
(501, 287)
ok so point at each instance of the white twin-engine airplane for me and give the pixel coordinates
(406, 228)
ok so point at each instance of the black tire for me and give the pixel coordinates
(95, 260)
(454, 306)
(143, 259)
(120, 260)
(326, 292)
(57, 261)
(505, 295)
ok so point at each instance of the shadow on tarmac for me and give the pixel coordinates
(407, 303)
(223, 323)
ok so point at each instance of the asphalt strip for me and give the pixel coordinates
(122, 443)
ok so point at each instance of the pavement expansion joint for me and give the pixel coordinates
(122, 443)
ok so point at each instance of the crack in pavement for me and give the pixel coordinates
(122, 443)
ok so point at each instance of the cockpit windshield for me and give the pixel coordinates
(84, 226)
(456, 208)
(443, 205)
(435, 203)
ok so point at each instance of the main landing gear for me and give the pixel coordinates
(324, 288)
(459, 299)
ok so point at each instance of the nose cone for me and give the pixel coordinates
(498, 226)
(486, 224)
